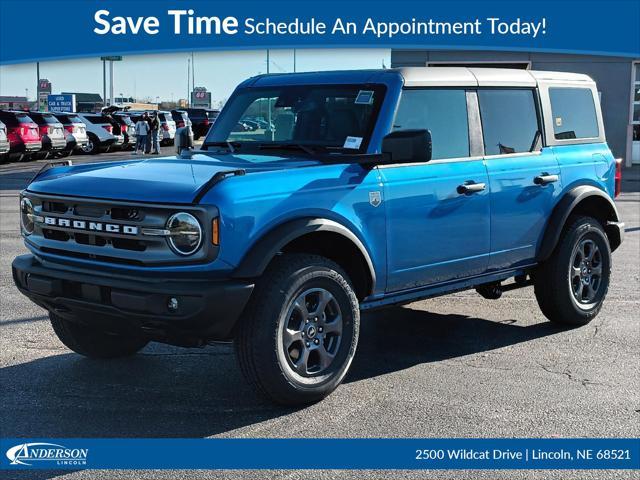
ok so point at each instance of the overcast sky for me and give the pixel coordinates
(165, 75)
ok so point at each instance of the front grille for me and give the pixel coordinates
(112, 232)
(91, 256)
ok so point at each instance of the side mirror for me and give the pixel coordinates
(408, 146)
(184, 140)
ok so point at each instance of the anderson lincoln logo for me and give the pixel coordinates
(51, 453)
(91, 226)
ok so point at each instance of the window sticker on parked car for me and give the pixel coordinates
(558, 121)
(365, 97)
(352, 142)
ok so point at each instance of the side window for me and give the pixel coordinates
(443, 113)
(574, 113)
(509, 120)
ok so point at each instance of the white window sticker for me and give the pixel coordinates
(352, 142)
(558, 121)
(365, 97)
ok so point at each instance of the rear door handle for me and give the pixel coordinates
(468, 188)
(545, 179)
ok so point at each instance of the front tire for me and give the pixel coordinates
(299, 332)
(572, 284)
(94, 343)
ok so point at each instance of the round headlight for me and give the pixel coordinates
(185, 233)
(26, 216)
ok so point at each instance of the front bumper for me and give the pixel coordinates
(207, 310)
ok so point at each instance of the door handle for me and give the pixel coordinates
(468, 188)
(545, 179)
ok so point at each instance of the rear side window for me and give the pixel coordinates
(24, 119)
(443, 113)
(97, 120)
(509, 120)
(50, 119)
(574, 113)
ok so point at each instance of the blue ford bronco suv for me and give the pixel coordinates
(360, 189)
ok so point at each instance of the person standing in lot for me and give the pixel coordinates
(154, 139)
(147, 144)
(142, 132)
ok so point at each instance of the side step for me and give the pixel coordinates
(493, 291)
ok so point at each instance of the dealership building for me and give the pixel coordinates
(618, 80)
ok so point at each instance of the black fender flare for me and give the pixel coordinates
(262, 252)
(561, 213)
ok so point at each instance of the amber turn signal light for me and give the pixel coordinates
(215, 231)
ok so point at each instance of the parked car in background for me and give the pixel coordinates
(4, 142)
(167, 128)
(181, 118)
(100, 133)
(51, 135)
(262, 123)
(127, 128)
(201, 120)
(241, 127)
(23, 134)
(251, 124)
(75, 132)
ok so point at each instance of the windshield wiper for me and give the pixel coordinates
(289, 146)
(232, 146)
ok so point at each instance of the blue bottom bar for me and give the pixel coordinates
(428, 453)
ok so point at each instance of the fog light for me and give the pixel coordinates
(172, 304)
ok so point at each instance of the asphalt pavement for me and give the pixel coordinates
(455, 366)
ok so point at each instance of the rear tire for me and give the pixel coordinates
(94, 343)
(299, 332)
(572, 284)
(92, 146)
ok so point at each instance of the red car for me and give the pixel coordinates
(51, 134)
(23, 135)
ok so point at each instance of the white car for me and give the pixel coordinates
(167, 128)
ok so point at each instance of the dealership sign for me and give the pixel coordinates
(200, 98)
(61, 103)
(44, 89)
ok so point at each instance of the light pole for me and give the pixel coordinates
(104, 81)
(193, 72)
(188, 81)
(38, 84)
(110, 82)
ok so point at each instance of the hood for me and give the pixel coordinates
(157, 180)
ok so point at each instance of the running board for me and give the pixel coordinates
(446, 288)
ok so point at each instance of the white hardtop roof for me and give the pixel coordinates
(484, 77)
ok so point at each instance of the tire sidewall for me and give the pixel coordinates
(89, 147)
(586, 229)
(312, 276)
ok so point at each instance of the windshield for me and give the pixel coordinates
(328, 117)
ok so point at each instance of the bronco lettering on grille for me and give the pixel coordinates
(91, 226)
